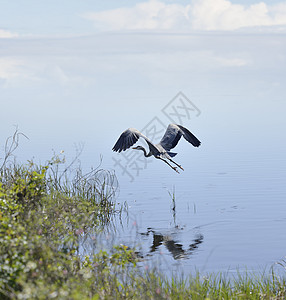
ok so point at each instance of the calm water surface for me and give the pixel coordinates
(230, 208)
(234, 219)
(230, 202)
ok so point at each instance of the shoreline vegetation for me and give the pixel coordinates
(46, 211)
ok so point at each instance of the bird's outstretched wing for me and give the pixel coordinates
(173, 135)
(127, 139)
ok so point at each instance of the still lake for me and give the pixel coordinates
(229, 209)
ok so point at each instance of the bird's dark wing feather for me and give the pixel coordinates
(173, 135)
(189, 136)
(127, 139)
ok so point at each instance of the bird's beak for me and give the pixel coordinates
(133, 148)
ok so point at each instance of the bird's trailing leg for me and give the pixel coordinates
(176, 163)
(174, 168)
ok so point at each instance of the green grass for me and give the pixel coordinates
(45, 214)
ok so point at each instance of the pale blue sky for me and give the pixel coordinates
(66, 16)
(83, 71)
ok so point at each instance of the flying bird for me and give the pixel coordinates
(160, 151)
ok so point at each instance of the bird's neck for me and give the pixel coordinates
(145, 153)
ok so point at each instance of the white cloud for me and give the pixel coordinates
(145, 15)
(21, 70)
(223, 15)
(7, 34)
(198, 15)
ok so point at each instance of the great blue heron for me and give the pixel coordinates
(162, 150)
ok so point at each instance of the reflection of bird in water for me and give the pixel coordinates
(175, 248)
(162, 150)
